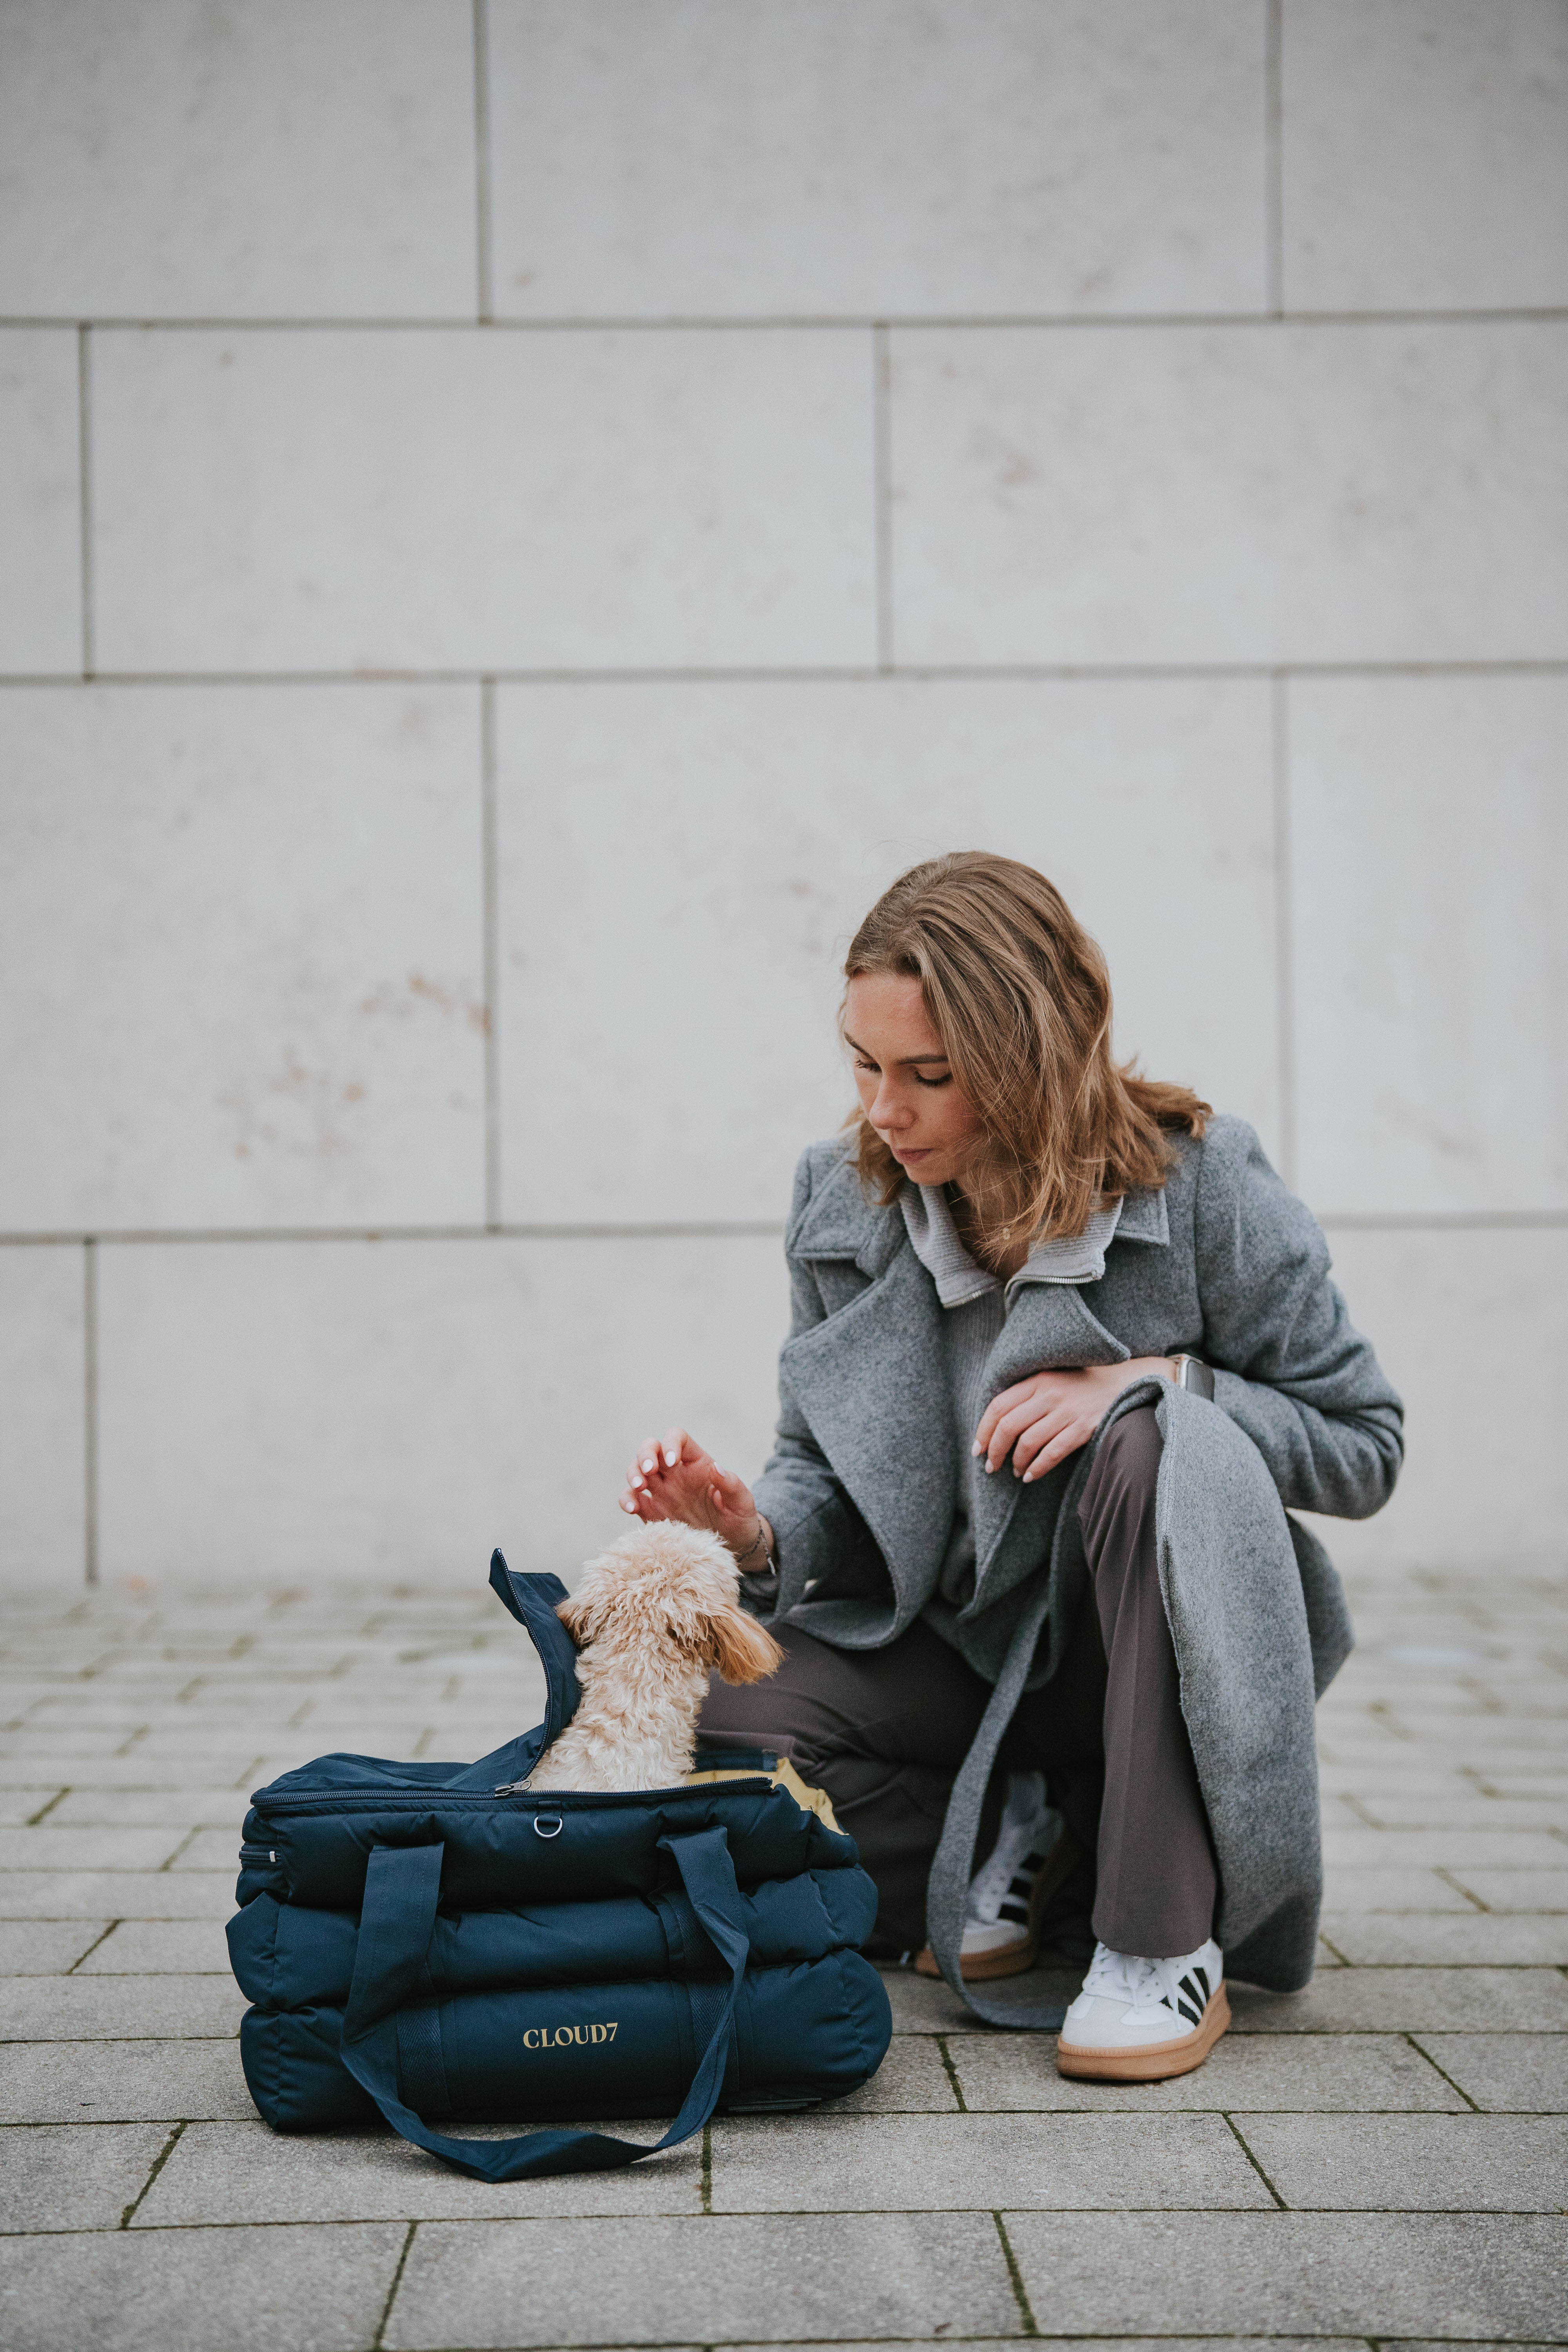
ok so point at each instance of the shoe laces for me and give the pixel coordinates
(1153, 1984)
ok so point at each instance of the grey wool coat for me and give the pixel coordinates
(1222, 1263)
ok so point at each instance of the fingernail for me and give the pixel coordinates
(651, 1465)
(670, 1459)
(977, 1449)
(631, 1507)
(990, 1468)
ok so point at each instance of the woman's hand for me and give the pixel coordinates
(674, 1478)
(1042, 1420)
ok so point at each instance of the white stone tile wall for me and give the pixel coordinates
(516, 519)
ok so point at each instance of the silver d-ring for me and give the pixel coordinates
(548, 1825)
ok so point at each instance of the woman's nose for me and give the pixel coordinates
(887, 1111)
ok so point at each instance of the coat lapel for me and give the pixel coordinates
(887, 1434)
(1048, 1326)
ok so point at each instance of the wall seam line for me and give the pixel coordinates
(483, 231)
(90, 1410)
(1284, 922)
(490, 930)
(84, 469)
(1274, 157)
(882, 492)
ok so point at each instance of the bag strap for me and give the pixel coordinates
(531, 1600)
(402, 1884)
(947, 1889)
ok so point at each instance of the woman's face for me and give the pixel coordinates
(907, 1089)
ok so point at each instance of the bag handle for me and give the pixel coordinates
(947, 1889)
(402, 1883)
(531, 1600)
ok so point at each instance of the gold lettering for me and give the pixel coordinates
(569, 2037)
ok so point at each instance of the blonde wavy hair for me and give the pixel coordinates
(1020, 996)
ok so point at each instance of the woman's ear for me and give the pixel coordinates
(743, 1651)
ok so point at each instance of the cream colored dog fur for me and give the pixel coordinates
(654, 1614)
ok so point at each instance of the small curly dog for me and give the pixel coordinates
(653, 1615)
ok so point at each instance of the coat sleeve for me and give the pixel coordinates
(819, 1536)
(1290, 1369)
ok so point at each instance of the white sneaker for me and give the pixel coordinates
(1000, 1917)
(1138, 2020)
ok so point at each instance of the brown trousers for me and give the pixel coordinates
(884, 1732)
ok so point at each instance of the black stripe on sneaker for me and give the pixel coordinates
(1203, 1977)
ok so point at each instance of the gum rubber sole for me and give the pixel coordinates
(1155, 2061)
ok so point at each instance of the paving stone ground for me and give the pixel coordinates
(1381, 2158)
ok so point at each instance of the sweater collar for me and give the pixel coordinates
(959, 1277)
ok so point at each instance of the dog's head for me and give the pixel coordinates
(666, 1588)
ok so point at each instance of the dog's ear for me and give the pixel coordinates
(743, 1651)
(576, 1614)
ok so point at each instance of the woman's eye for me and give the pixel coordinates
(870, 1068)
(945, 1081)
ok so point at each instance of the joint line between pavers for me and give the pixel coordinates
(952, 2072)
(45, 1810)
(1474, 2106)
(379, 2337)
(162, 2159)
(1235, 2133)
(93, 1948)
(706, 2179)
(1020, 2293)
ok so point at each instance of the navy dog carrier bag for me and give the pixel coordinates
(430, 1940)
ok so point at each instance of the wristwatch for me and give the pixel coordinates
(1192, 1372)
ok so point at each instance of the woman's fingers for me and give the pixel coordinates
(1032, 1440)
(1064, 1441)
(675, 1444)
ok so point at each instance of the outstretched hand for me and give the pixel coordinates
(673, 1477)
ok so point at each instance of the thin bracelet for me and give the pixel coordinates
(759, 1538)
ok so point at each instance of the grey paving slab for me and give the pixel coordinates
(119, 2008)
(925, 2005)
(1309, 2072)
(1386, 2274)
(235, 2172)
(181, 1808)
(49, 1848)
(160, 1947)
(1443, 1848)
(74, 2176)
(1366, 1887)
(18, 1805)
(902, 2163)
(120, 2082)
(37, 1947)
(117, 1894)
(1407, 2000)
(1478, 1813)
(1520, 2073)
(722, 2279)
(911, 2077)
(199, 2290)
(113, 1773)
(1478, 1939)
(1415, 2164)
(1518, 1890)
(36, 1746)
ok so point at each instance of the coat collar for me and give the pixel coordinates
(841, 1223)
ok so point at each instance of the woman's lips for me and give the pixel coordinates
(924, 1153)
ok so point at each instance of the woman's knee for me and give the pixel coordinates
(1126, 1468)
